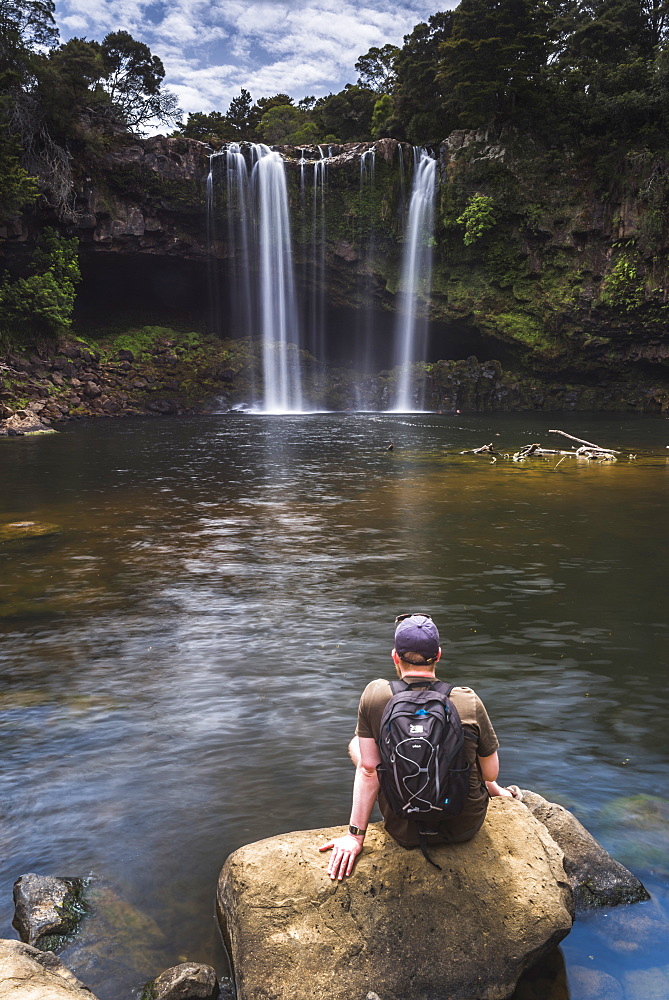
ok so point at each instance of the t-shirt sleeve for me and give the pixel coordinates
(488, 741)
(365, 726)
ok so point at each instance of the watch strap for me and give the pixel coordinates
(356, 831)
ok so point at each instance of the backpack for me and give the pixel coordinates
(423, 772)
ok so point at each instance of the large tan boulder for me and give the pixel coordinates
(29, 974)
(398, 928)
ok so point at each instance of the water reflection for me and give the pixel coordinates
(225, 568)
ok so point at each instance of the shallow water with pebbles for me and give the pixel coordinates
(183, 649)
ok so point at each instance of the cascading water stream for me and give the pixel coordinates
(213, 266)
(316, 323)
(366, 238)
(242, 311)
(415, 281)
(278, 310)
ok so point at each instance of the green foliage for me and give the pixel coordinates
(283, 124)
(493, 59)
(382, 117)
(417, 94)
(213, 128)
(478, 217)
(346, 115)
(623, 286)
(41, 304)
(17, 187)
(142, 340)
(240, 115)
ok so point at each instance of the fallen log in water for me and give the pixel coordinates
(587, 451)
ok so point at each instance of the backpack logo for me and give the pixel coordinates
(416, 729)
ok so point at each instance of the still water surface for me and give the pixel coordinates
(181, 661)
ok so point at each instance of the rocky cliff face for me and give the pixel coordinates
(571, 280)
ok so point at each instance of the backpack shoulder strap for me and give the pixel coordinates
(397, 686)
(443, 687)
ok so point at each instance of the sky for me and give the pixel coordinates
(212, 48)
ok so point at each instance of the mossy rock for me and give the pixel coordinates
(18, 530)
(636, 829)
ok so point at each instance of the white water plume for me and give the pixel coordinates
(415, 281)
(278, 311)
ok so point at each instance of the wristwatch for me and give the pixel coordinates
(356, 831)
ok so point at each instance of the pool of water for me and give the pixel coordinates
(199, 572)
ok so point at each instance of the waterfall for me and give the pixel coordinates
(242, 308)
(415, 280)
(213, 266)
(366, 233)
(278, 311)
(316, 323)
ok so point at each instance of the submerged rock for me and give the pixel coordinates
(47, 909)
(26, 973)
(188, 981)
(116, 940)
(26, 529)
(398, 928)
(638, 828)
(595, 877)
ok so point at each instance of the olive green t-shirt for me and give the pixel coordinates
(475, 720)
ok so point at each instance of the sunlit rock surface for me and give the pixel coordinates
(398, 928)
(26, 973)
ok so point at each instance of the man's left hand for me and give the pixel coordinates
(344, 852)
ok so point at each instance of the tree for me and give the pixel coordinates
(377, 69)
(133, 78)
(240, 116)
(346, 115)
(418, 96)
(382, 117)
(492, 62)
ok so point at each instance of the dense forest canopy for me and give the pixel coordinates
(573, 71)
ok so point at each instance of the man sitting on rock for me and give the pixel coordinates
(415, 656)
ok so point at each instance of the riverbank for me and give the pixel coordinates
(159, 371)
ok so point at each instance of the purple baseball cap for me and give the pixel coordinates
(417, 634)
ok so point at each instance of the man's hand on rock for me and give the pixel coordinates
(344, 852)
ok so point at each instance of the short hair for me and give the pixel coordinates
(417, 659)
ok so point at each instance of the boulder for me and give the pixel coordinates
(398, 927)
(47, 908)
(26, 973)
(188, 981)
(23, 422)
(595, 877)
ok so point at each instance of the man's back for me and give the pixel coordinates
(475, 721)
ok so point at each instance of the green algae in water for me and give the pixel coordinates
(14, 531)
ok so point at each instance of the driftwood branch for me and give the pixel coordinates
(588, 444)
(587, 451)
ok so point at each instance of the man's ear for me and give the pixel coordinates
(395, 656)
(438, 656)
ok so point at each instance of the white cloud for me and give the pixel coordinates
(212, 48)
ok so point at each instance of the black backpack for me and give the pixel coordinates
(423, 772)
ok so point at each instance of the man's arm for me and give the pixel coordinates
(490, 771)
(365, 789)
